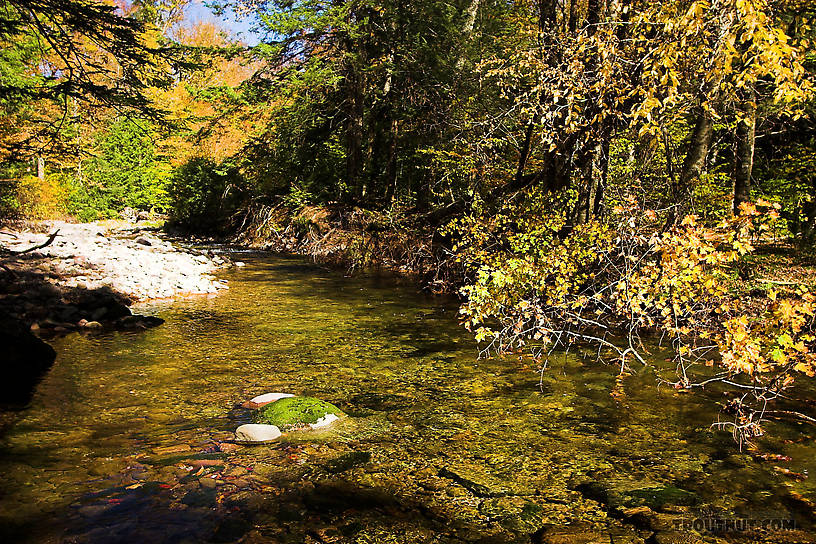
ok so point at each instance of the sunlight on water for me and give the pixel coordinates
(438, 445)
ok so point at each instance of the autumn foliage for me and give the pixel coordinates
(626, 286)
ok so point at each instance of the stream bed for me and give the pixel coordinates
(127, 438)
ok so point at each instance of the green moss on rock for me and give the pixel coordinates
(295, 412)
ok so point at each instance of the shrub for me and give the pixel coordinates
(205, 195)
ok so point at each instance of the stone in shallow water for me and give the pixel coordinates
(515, 514)
(254, 432)
(619, 495)
(479, 481)
(296, 412)
(324, 421)
(266, 398)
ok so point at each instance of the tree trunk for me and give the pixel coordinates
(470, 17)
(694, 164)
(807, 230)
(40, 168)
(354, 122)
(391, 167)
(524, 152)
(547, 14)
(572, 24)
(603, 172)
(593, 14)
(467, 30)
(744, 157)
(584, 165)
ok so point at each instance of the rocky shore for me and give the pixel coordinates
(89, 274)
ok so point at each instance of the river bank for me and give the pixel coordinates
(355, 239)
(60, 277)
(86, 274)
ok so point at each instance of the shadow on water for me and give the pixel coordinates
(127, 439)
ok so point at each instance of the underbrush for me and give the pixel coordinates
(352, 238)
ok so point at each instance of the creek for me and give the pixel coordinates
(127, 437)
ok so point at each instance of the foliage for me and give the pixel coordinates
(128, 171)
(59, 53)
(204, 194)
(538, 288)
(590, 157)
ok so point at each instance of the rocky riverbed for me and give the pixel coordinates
(130, 437)
(130, 260)
(88, 275)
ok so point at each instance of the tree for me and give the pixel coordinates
(64, 52)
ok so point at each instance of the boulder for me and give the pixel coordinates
(297, 413)
(257, 433)
(92, 326)
(347, 461)
(25, 361)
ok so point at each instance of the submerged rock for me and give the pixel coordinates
(255, 432)
(481, 483)
(515, 514)
(348, 461)
(622, 495)
(297, 412)
(139, 322)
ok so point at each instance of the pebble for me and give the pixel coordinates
(254, 432)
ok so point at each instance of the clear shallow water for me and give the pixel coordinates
(121, 442)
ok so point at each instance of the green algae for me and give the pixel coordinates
(294, 412)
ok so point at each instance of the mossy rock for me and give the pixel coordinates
(294, 412)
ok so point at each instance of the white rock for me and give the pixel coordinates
(266, 398)
(324, 421)
(255, 432)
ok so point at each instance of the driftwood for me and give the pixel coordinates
(13, 253)
(48, 242)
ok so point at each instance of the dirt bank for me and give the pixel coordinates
(355, 239)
